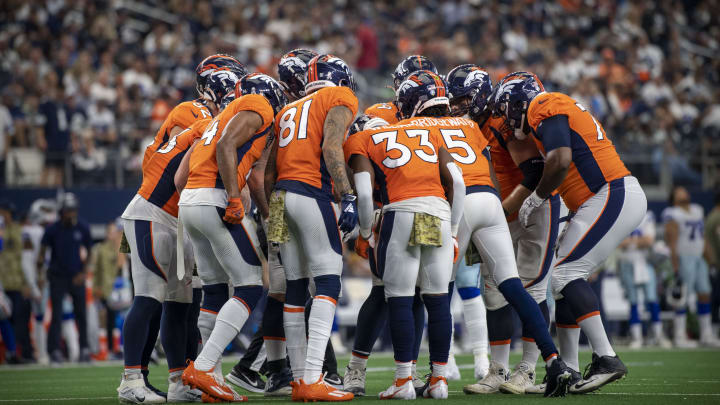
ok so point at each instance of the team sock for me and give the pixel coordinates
(403, 369)
(418, 311)
(439, 327)
(273, 331)
(568, 334)
(439, 369)
(357, 362)
(320, 325)
(294, 323)
(704, 320)
(530, 348)
(137, 330)
(679, 324)
(401, 328)
(475, 321)
(193, 333)
(586, 310)
(173, 333)
(370, 323)
(500, 332)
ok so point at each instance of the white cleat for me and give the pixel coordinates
(437, 388)
(709, 341)
(521, 379)
(661, 342)
(401, 389)
(536, 389)
(418, 382)
(482, 364)
(132, 390)
(684, 343)
(354, 381)
(491, 383)
(179, 392)
(453, 372)
(636, 344)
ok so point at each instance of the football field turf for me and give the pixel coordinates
(656, 377)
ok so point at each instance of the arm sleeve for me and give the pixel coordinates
(365, 203)
(554, 132)
(458, 205)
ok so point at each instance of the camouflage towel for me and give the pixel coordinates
(426, 230)
(277, 225)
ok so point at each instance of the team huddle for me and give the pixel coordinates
(455, 180)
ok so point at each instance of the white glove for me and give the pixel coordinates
(528, 207)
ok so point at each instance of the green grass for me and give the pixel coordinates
(656, 377)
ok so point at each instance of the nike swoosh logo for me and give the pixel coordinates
(139, 398)
(582, 384)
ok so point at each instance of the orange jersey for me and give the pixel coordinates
(299, 137)
(506, 171)
(386, 111)
(204, 171)
(404, 157)
(594, 159)
(158, 185)
(467, 145)
(183, 115)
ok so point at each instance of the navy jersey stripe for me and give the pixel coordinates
(165, 187)
(585, 163)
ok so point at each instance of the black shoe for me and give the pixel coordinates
(152, 387)
(603, 370)
(278, 384)
(334, 380)
(246, 379)
(558, 376)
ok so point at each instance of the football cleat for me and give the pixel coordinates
(491, 383)
(318, 391)
(681, 342)
(437, 388)
(152, 388)
(334, 380)
(401, 389)
(132, 390)
(207, 382)
(482, 364)
(575, 376)
(709, 341)
(207, 399)
(278, 384)
(558, 377)
(246, 379)
(520, 379)
(601, 371)
(453, 372)
(418, 383)
(179, 392)
(354, 381)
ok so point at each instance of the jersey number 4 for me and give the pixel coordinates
(405, 153)
(288, 127)
(210, 132)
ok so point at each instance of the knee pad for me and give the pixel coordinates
(328, 285)
(249, 295)
(216, 295)
(296, 293)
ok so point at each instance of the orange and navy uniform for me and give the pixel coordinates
(507, 173)
(557, 120)
(158, 185)
(183, 115)
(404, 157)
(204, 172)
(386, 111)
(299, 136)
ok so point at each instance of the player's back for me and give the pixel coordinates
(690, 239)
(404, 158)
(387, 111)
(158, 186)
(183, 115)
(594, 159)
(299, 135)
(204, 171)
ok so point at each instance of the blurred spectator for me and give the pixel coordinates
(106, 264)
(69, 242)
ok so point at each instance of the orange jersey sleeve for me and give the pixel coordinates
(299, 136)
(594, 159)
(183, 115)
(158, 185)
(204, 171)
(466, 144)
(386, 111)
(404, 158)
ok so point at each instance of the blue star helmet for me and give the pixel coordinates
(411, 64)
(214, 63)
(264, 85)
(292, 71)
(512, 98)
(220, 87)
(464, 82)
(421, 90)
(328, 70)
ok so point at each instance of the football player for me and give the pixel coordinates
(685, 238)
(304, 171)
(212, 210)
(416, 240)
(582, 164)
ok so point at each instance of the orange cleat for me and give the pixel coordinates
(207, 399)
(206, 382)
(296, 388)
(319, 391)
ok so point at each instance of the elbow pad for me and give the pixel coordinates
(532, 170)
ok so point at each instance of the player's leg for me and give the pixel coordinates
(398, 264)
(592, 234)
(703, 289)
(467, 282)
(653, 307)
(627, 279)
(242, 374)
(193, 333)
(149, 283)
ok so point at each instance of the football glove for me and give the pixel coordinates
(348, 216)
(362, 245)
(528, 207)
(234, 212)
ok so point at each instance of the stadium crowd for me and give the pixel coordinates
(88, 83)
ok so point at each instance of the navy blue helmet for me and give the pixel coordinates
(264, 85)
(464, 82)
(411, 64)
(513, 96)
(328, 70)
(214, 63)
(220, 87)
(421, 90)
(292, 71)
(359, 124)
